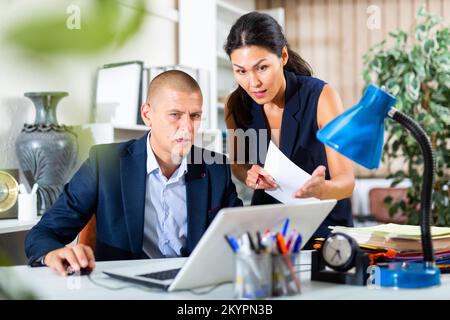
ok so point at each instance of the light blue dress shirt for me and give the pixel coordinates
(165, 222)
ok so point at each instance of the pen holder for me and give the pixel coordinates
(253, 276)
(27, 206)
(285, 274)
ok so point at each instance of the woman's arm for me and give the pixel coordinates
(341, 171)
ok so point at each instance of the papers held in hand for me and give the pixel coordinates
(287, 175)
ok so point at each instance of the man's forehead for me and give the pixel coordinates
(179, 94)
(180, 100)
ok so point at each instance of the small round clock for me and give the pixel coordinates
(339, 251)
(9, 190)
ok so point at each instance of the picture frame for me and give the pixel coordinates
(119, 93)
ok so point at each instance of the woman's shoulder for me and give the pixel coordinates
(310, 88)
(310, 82)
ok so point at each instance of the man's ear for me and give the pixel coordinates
(146, 114)
(284, 55)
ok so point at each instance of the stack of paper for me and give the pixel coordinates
(400, 238)
(400, 243)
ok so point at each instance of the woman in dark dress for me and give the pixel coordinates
(277, 99)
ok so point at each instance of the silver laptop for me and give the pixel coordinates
(211, 262)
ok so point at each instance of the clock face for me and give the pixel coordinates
(8, 191)
(338, 252)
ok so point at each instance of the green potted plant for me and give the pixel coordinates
(416, 70)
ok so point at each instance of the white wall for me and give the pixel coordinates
(155, 44)
(248, 5)
(202, 31)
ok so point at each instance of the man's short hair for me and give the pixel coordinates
(175, 80)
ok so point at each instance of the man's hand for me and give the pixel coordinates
(77, 257)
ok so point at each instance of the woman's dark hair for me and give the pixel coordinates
(262, 30)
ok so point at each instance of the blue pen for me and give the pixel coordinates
(290, 240)
(232, 242)
(285, 227)
(297, 244)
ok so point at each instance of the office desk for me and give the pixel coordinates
(47, 285)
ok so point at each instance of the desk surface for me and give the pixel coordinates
(47, 285)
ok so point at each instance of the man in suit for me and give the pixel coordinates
(153, 197)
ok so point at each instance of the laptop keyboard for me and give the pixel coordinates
(161, 275)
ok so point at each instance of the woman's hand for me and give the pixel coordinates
(258, 178)
(314, 187)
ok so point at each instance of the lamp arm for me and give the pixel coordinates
(427, 184)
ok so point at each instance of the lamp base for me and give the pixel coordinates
(408, 275)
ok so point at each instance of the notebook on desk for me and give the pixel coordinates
(211, 262)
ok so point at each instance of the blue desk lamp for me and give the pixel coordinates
(358, 134)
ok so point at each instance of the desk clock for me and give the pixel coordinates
(340, 260)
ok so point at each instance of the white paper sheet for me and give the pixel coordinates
(287, 175)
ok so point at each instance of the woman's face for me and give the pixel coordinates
(259, 72)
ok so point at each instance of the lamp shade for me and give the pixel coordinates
(358, 132)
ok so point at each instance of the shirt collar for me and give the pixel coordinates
(153, 165)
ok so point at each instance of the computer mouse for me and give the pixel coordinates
(83, 271)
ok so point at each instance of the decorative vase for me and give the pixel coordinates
(46, 151)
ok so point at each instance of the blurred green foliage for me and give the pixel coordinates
(87, 29)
